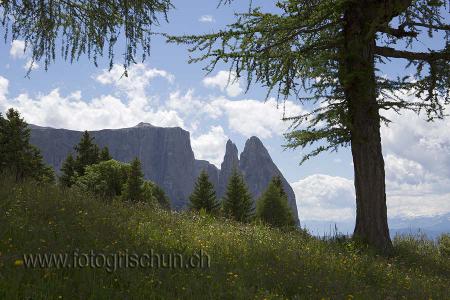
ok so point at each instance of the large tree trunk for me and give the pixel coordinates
(357, 75)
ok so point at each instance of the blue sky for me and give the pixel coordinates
(166, 91)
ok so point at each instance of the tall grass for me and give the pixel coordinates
(247, 261)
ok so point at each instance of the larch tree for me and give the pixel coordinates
(74, 28)
(328, 53)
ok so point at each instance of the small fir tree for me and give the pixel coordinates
(133, 189)
(204, 195)
(104, 154)
(68, 174)
(273, 208)
(87, 153)
(237, 203)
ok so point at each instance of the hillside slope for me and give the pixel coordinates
(246, 261)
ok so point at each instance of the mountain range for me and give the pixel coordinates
(167, 158)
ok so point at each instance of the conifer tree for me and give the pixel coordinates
(104, 154)
(68, 174)
(273, 208)
(17, 156)
(133, 189)
(161, 197)
(204, 195)
(237, 202)
(279, 184)
(87, 153)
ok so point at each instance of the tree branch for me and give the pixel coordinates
(425, 56)
(398, 32)
(430, 26)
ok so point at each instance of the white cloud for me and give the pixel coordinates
(252, 117)
(247, 117)
(107, 111)
(33, 65)
(17, 49)
(226, 82)
(139, 78)
(412, 138)
(210, 146)
(189, 105)
(72, 112)
(327, 198)
(207, 19)
(324, 197)
(4, 83)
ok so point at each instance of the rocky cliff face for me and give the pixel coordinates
(167, 158)
(165, 153)
(230, 161)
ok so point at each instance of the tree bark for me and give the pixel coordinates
(357, 75)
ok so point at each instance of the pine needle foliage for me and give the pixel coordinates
(83, 27)
(237, 202)
(203, 196)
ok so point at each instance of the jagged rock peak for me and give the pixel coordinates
(143, 124)
(254, 145)
(231, 158)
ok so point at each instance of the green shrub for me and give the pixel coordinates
(105, 179)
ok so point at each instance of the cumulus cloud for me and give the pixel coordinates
(324, 197)
(247, 117)
(4, 84)
(17, 49)
(188, 104)
(138, 79)
(72, 111)
(412, 138)
(226, 82)
(211, 145)
(252, 117)
(207, 19)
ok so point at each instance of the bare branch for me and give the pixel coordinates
(424, 56)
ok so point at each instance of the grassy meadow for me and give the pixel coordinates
(247, 261)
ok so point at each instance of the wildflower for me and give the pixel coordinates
(18, 263)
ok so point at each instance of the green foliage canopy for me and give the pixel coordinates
(79, 27)
(105, 179)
